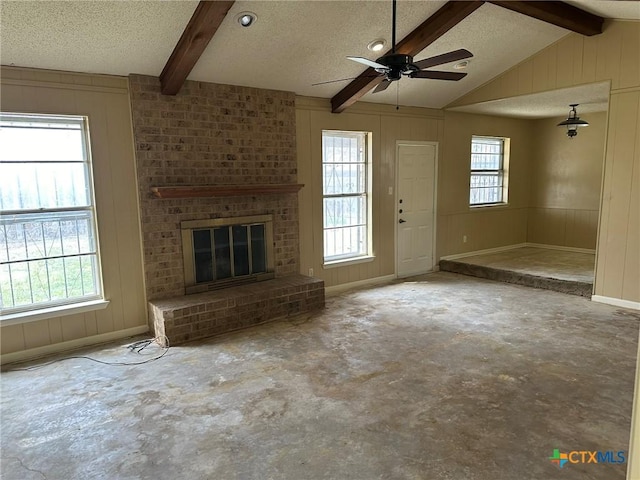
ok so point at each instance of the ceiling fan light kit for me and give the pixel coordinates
(573, 122)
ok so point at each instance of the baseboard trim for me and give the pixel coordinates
(343, 287)
(483, 252)
(38, 352)
(616, 302)
(514, 246)
(561, 247)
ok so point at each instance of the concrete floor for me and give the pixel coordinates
(441, 377)
(542, 262)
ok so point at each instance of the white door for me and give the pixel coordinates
(415, 208)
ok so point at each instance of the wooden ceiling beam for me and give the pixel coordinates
(557, 13)
(428, 32)
(204, 23)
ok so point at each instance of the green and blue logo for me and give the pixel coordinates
(558, 458)
(588, 456)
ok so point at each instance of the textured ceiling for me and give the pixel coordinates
(116, 38)
(308, 42)
(498, 39)
(593, 97)
(292, 45)
(620, 9)
(302, 43)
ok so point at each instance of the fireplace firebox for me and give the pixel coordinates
(222, 252)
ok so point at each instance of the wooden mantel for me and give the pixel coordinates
(198, 191)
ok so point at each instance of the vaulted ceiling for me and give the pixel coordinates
(291, 46)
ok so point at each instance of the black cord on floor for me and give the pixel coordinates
(134, 347)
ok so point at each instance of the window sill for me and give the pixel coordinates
(488, 205)
(52, 312)
(349, 261)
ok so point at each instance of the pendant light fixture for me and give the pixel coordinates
(573, 122)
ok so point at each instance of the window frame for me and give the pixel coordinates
(502, 172)
(366, 253)
(38, 310)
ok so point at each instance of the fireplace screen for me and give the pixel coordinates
(227, 251)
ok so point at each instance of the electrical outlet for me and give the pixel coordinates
(311, 272)
(464, 239)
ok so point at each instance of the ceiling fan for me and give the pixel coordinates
(394, 65)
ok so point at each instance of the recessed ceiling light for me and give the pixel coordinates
(461, 65)
(246, 19)
(377, 45)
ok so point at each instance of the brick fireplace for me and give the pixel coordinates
(215, 152)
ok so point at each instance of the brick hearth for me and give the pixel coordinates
(202, 315)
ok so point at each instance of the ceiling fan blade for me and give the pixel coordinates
(341, 80)
(382, 86)
(438, 75)
(369, 63)
(448, 57)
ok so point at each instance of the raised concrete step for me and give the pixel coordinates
(583, 289)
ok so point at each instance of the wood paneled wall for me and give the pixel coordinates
(387, 126)
(105, 101)
(566, 176)
(612, 56)
(483, 227)
(565, 227)
(618, 254)
(574, 60)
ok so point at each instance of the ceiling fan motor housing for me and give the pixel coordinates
(398, 64)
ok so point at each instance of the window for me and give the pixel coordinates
(489, 157)
(346, 199)
(48, 242)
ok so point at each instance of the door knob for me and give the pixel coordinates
(401, 221)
